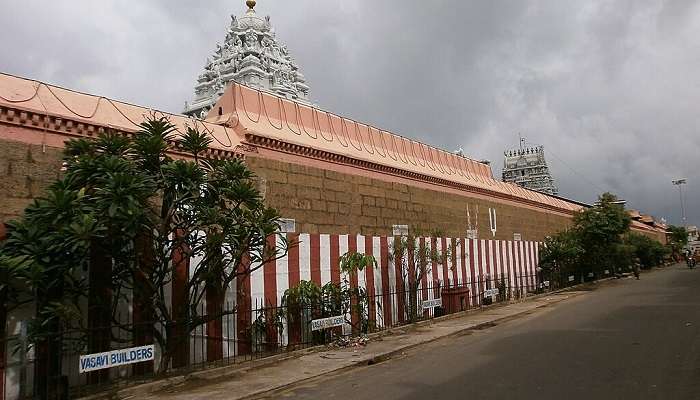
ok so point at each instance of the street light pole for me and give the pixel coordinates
(680, 183)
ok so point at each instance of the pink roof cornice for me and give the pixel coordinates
(269, 120)
(71, 113)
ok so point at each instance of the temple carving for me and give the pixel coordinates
(527, 167)
(252, 55)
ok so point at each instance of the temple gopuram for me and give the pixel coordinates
(527, 167)
(252, 55)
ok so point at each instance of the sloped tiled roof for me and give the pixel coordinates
(264, 115)
(54, 101)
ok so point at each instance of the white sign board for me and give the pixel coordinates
(116, 358)
(517, 237)
(288, 225)
(427, 304)
(491, 292)
(571, 278)
(324, 323)
(400, 230)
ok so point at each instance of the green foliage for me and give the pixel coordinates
(124, 202)
(304, 294)
(677, 240)
(599, 230)
(351, 262)
(650, 252)
(415, 262)
(561, 252)
(599, 239)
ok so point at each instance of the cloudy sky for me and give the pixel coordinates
(611, 88)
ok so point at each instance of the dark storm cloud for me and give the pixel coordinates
(611, 88)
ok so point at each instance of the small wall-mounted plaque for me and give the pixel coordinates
(517, 237)
(400, 230)
(288, 225)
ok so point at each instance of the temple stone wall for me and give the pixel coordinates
(326, 201)
(319, 200)
(25, 172)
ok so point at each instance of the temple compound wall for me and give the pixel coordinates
(329, 174)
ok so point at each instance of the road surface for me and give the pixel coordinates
(633, 339)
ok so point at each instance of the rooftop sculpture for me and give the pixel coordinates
(251, 55)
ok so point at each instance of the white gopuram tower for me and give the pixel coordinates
(251, 55)
(527, 167)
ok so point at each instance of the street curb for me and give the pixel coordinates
(215, 374)
(400, 350)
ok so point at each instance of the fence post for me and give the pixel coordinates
(22, 360)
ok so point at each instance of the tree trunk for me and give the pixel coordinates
(99, 309)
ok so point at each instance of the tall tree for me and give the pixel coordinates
(122, 222)
(599, 230)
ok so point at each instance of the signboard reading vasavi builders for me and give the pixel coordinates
(323, 323)
(116, 358)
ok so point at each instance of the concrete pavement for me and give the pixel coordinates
(631, 339)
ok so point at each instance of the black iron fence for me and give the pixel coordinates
(55, 366)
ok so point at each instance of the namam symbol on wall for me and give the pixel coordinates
(492, 220)
(472, 231)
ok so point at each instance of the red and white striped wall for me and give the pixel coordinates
(316, 258)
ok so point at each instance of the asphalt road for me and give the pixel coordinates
(627, 340)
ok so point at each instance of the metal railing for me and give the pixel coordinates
(49, 366)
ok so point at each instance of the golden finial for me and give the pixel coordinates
(250, 3)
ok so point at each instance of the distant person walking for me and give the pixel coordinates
(635, 268)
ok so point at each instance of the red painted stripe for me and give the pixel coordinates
(293, 259)
(480, 263)
(462, 244)
(518, 255)
(398, 267)
(487, 267)
(514, 268)
(526, 263)
(453, 260)
(386, 285)
(445, 267)
(506, 268)
(424, 266)
(335, 259)
(315, 258)
(270, 277)
(354, 317)
(181, 276)
(243, 305)
(369, 280)
(494, 261)
(472, 270)
(502, 260)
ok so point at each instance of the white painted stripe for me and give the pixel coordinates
(439, 275)
(497, 262)
(305, 257)
(378, 283)
(361, 275)
(282, 274)
(458, 261)
(391, 285)
(325, 258)
(429, 273)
